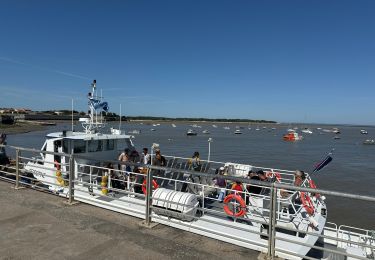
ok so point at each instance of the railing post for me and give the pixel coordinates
(148, 197)
(71, 178)
(17, 169)
(272, 224)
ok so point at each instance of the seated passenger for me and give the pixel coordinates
(299, 177)
(252, 188)
(221, 183)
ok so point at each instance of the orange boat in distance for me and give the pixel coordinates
(292, 136)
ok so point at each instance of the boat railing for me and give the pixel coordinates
(123, 191)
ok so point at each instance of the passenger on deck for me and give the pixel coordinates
(115, 182)
(145, 158)
(237, 187)
(221, 183)
(252, 188)
(125, 157)
(262, 176)
(159, 159)
(299, 177)
(195, 162)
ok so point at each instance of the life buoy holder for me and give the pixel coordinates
(313, 186)
(238, 200)
(307, 203)
(144, 188)
(276, 174)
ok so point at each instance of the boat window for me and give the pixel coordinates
(79, 146)
(109, 144)
(95, 145)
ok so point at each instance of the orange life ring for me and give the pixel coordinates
(313, 186)
(239, 200)
(154, 185)
(307, 203)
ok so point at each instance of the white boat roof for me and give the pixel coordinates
(86, 136)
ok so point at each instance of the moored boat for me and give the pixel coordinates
(369, 141)
(191, 132)
(292, 136)
(180, 198)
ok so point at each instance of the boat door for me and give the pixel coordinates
(57, 149)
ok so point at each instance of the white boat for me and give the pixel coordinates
(238, 132)
(364, 132)
(175, 198)
(306, 131)
(205, 132)
(191, 132)
(226, 127)
(214, 126)
(369, 141)
(152, 129)
(92, 144)
(173, 125)
(136, 132)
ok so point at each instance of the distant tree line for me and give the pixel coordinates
(113, 117)
(109, 116)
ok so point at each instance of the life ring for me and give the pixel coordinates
(313, 186)
(276, 174)
(307, 203)
(154, 185)
(238, 200)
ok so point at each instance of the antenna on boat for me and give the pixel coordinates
(72, 115)
(119, 127)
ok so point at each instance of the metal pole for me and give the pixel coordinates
(148, 197)
(71, 179)
(271, 224)
(209, 149)
(17, 168)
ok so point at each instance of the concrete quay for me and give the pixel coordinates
(38, 225)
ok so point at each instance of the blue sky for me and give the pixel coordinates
(288, 61)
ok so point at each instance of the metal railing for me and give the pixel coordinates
(85, 182)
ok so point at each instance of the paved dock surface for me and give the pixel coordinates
(38, 225)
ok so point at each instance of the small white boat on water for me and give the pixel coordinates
(214, 126)
(191, 132)
(136, 132)
(364, 132)
(173, 125)
(238, 132)
(306, 131)
(185, 201)
(369, 141)
(205, 132)
(226, 127)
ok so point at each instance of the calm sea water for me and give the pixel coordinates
(352, 169)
